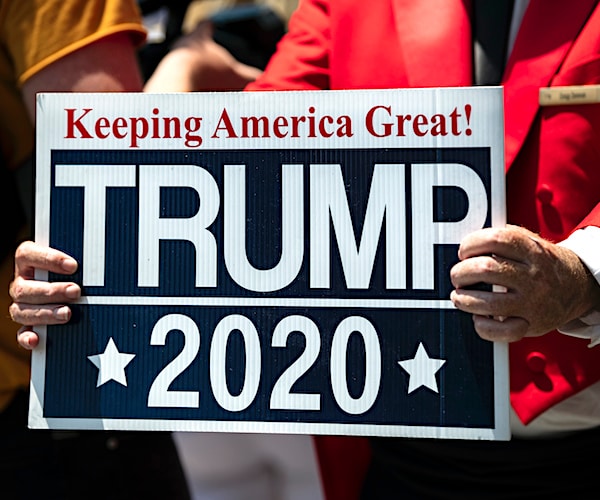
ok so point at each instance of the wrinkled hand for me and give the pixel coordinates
(39, 302)
(546, 285)
(197, 63)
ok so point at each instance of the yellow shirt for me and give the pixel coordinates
(34, 34)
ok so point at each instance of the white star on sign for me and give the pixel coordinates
(422, 370)
(111, 364)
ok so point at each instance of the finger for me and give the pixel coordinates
(497, 303)
(510, 243)
(493, 270)
(498, 329)
(27, 338)
(49, 314)
(30, 256)
(42, 292)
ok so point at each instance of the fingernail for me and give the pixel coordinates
(72, 292)
(69, 265)
(62, 313)
(29, 342)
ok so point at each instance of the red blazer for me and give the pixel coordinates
(552, 153)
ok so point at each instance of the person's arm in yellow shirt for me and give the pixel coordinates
(107, 65)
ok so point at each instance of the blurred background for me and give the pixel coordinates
(223, 466)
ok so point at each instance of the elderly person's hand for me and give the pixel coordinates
(39, 302)
(544, 286)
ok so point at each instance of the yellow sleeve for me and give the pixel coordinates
(38, 33)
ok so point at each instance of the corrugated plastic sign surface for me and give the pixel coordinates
(269, 262)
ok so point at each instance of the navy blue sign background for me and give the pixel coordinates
(466, 385)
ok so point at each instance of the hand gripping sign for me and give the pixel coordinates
(269, 262)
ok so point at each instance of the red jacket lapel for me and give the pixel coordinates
(540, 47)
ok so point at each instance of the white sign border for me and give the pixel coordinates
(48, 110)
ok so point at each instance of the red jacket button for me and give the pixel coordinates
(536, 362)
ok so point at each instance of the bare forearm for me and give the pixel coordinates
(108, 65)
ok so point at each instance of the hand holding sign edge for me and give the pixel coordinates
(39, 302)
(544, 285)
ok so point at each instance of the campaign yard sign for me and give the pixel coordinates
(269, 262)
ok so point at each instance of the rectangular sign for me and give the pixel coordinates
(269, 262)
